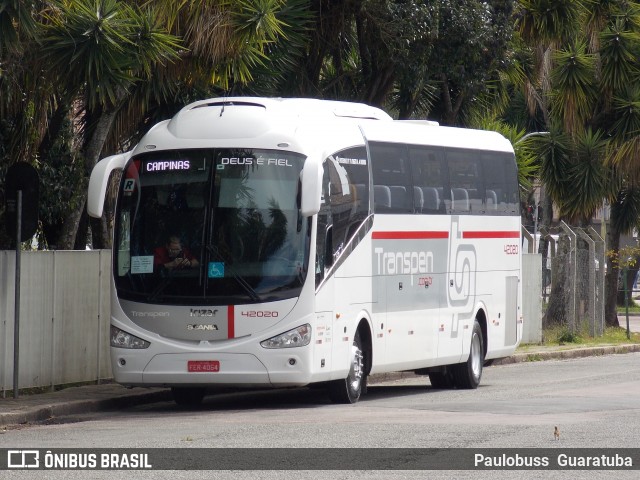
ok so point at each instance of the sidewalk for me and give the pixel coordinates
(78, 400)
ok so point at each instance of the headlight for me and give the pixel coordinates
(297, 337)
(122, 339)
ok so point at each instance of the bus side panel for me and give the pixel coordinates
(411, 265)
(358, 296)
(497, 282)
(325, 335)
(511, 312)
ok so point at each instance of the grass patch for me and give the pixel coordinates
(633, 310)
(560, 336)
(534, 357)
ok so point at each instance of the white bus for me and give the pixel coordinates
(327, 241)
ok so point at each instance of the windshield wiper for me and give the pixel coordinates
(238, 278)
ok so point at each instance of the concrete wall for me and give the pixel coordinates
(532, 297)
(64, 317)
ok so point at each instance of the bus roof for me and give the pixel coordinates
(228, 119)
(416, 133)
(190, 119)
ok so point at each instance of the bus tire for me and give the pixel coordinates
(187, 396)
(348, 390)
(467, 375)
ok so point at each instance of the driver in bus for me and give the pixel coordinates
(173, 256)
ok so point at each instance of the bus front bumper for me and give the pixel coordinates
(212, 369)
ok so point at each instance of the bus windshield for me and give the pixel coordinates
(210, 227)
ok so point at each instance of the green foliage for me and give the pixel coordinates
(103, 46)
(626, 257)
(16, 21)
(625, 210)
(618, 51)
(469, 51)
(548, 21)
(572, 69)
(574, 92)
(588, 179)
(279, 71)
(554, 151)
(626, 112)
(567, 336)
(560, 335)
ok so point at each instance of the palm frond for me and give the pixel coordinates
(589, 180)
(626, 157)
(625, 209)
(574, 92)
(626, 110)
(548, 22)
(618, 56)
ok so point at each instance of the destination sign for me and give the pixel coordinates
(168, 165)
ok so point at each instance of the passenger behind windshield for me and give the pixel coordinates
(174, 256)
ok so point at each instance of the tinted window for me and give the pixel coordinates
(465, 178)
(430, 180)
(345, 204)
(393, 191)
(501, 182)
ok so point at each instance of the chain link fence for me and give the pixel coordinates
(573, 277)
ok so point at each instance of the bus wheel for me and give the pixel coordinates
(348, 390)
(467, 375)
(187, 396)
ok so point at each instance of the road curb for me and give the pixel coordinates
(42, 413)
(534, 356)
(567, 354)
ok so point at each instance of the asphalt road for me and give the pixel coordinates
(594, 402)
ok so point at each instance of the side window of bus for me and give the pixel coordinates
(511, 176)
(501, 183)
(323, 239)
(345, 204)
(466, 182)
(430, 180)
(393, 192)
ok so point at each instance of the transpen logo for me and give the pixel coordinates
(403, 262)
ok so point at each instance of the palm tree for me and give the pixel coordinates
(115, 63)
(585, 54)
(18, 33)
(97, 50)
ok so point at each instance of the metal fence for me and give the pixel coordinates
(573, 272)
(64, 318)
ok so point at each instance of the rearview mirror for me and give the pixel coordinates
(99, 180)
(311, 185)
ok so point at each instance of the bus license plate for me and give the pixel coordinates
(203, 366)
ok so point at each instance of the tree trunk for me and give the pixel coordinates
(611, 280)
(556, 312)
(100, 233)
(82, 237)
(69, 230)
(92, 150)
(625, 289)
(450, 109)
